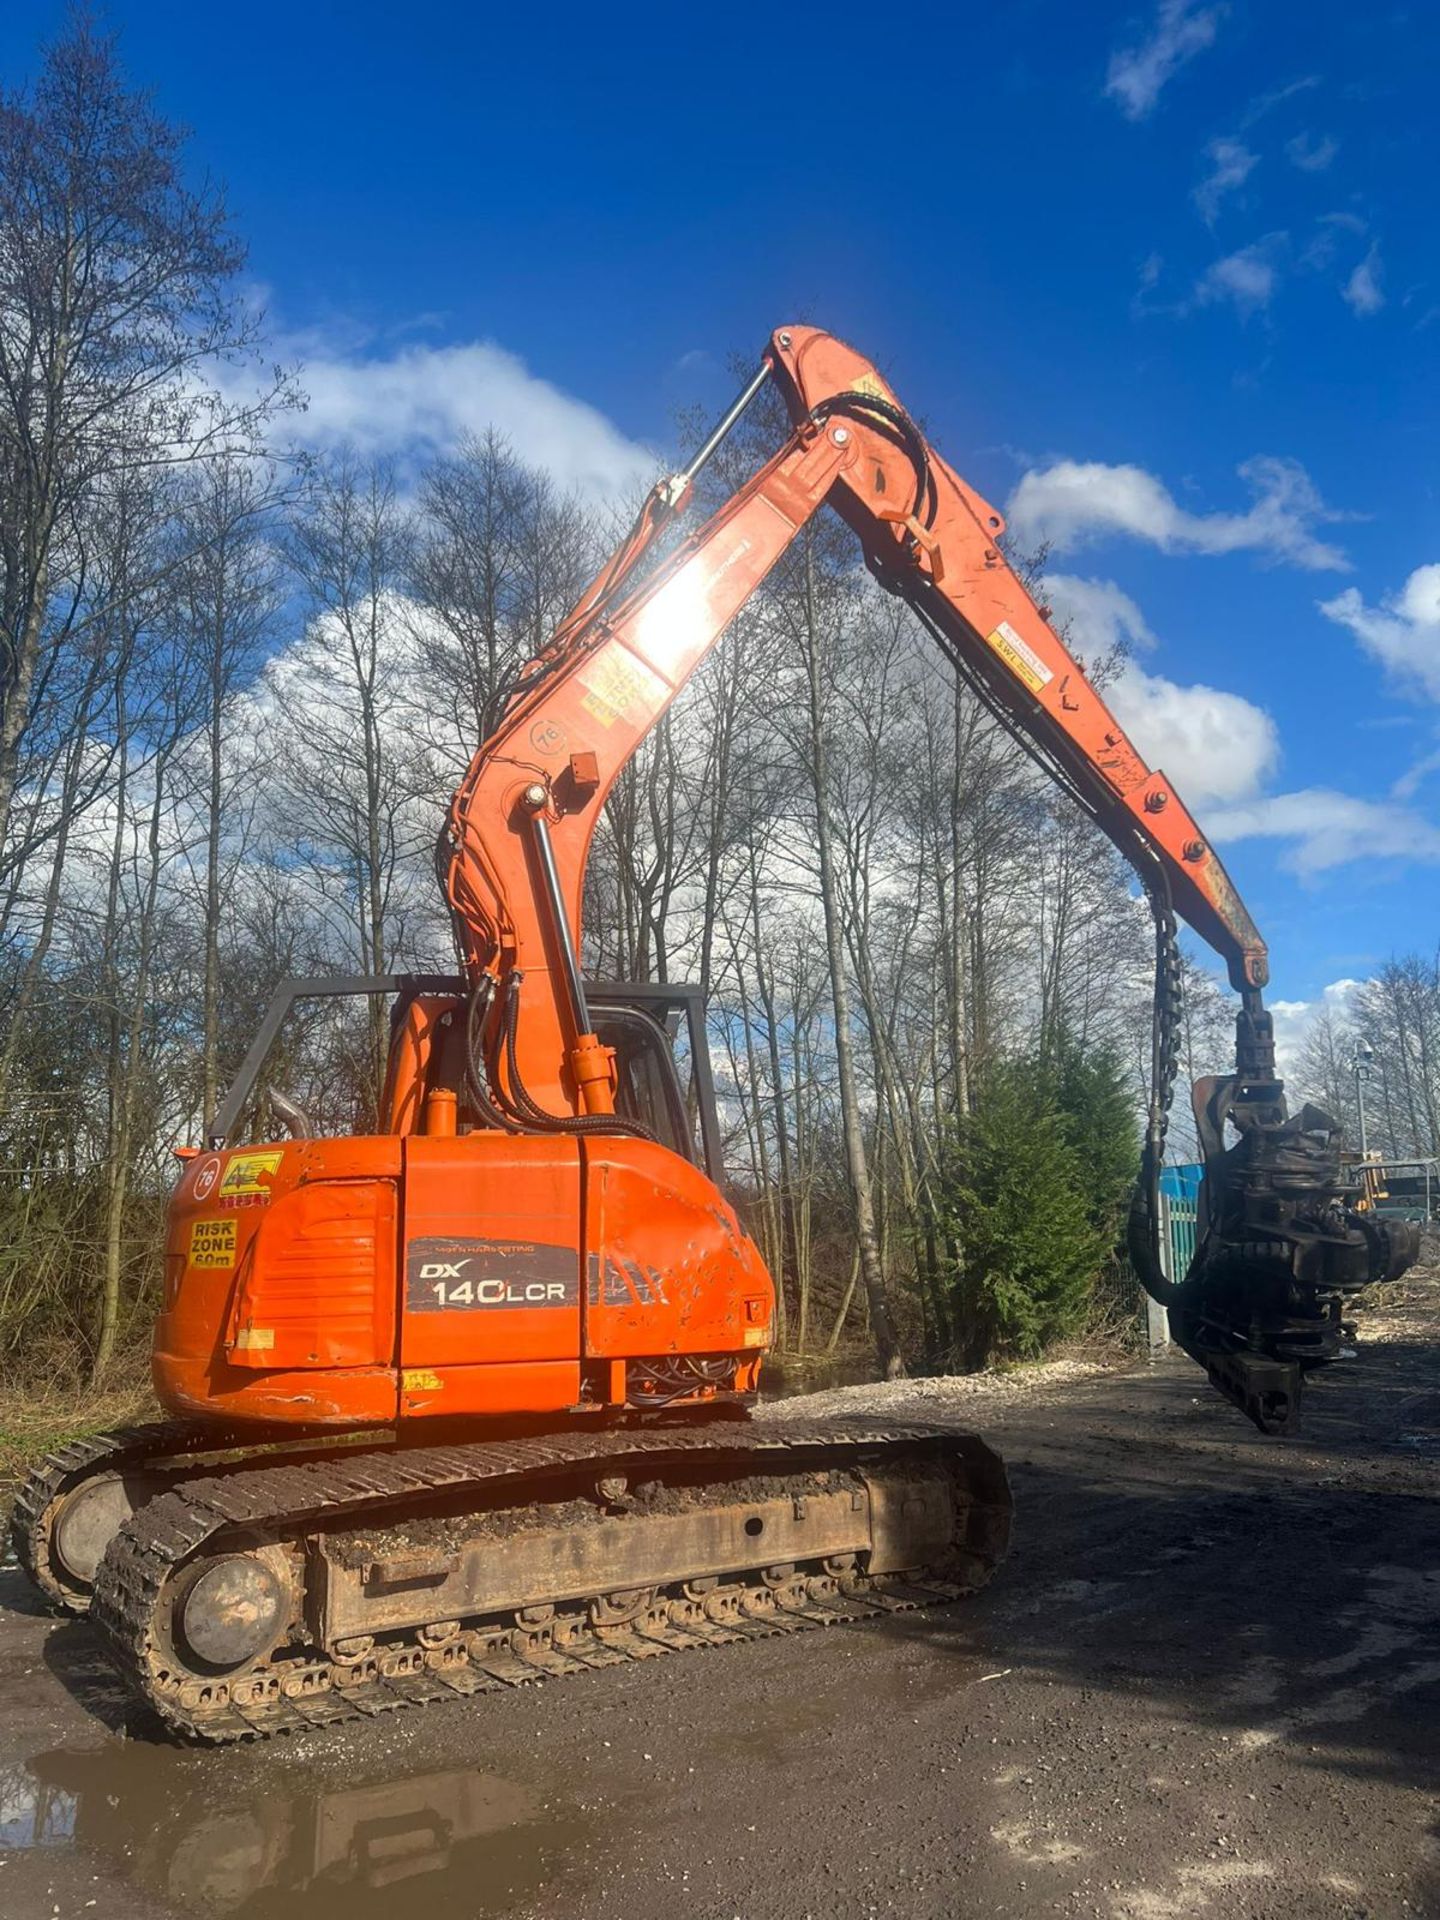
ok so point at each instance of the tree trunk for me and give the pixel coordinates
(882, 1327)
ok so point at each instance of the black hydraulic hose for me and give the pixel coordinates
(475, 1076)
(1142, 1231)
(533, 1118)
(444, 854)
(1142, 1227)
(869, 407)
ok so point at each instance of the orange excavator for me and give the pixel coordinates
(464, 1401)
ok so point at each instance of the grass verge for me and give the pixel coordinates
(35, 1422)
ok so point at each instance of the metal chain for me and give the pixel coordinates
(1169, 1011)
(1166, 1022)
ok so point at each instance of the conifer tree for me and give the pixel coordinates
(1020, 1207)
(1099, 1111)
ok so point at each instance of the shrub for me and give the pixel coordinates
(1028, 1214)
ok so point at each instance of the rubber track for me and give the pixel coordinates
(120, 1449)
(83, 1460)
(344, 1492)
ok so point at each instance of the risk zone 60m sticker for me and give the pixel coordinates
(212, 1243)
(443, 1274)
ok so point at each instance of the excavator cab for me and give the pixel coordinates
(657, 1034)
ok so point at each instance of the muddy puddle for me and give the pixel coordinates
(275, 1838)
(786, 1377)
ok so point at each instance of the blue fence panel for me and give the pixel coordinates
(1179, 1196)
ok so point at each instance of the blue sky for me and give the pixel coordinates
(1164, 277)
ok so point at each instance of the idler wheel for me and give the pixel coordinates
(86, 1524)
(235, 1611)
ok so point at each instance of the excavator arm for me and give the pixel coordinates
(1278, 1249)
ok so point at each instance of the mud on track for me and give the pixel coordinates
(1207, 1684)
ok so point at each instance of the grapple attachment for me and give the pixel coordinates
(1278, 1248)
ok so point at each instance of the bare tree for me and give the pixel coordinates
(152, 713)
(229, 587)
(117, 294)
(1397, 1013)
(499, 558)
(349, 791)
(811, 611)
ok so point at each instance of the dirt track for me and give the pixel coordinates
(1208, 1683)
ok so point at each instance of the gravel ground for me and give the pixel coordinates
(957, 1396)
(1206, 1684)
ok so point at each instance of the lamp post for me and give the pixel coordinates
(1364, 1054)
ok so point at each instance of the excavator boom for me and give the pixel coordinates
(582, 708)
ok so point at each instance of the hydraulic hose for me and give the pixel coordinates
(475, 1077)
(870, 407)
(1143, 1224)
(530, 1117)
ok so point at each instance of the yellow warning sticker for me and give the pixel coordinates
(212, 1243)
(617, 687)
(872, 384)
(420, 1380)
(1019, 656)
(243, 1173)
(255, 1339)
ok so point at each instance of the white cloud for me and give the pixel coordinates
(1403, 633)
(1096, 615)
(1294, 1019)
(1138, 74)
(421, 399)
(1231, 165)
(1246, 280)
(1415, 775)
(1151, 269)
(1215, 746)
(1071, 502)
(1362, 291)
(1221, 750)
(1309, 154)
(1326, 829)
(1320, 250)
(1264, 103)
